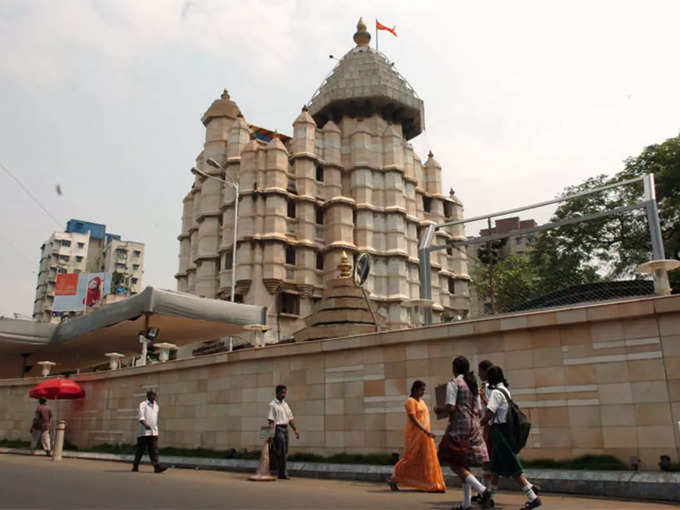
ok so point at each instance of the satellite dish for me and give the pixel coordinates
(362, 268)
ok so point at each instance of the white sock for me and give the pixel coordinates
(529, 493)
(467, 496)
(474, 483)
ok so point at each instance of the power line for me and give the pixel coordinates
(28, 192)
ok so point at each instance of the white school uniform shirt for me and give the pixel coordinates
(149, 413)
(279, 412)
(452, 392)
(499, 404)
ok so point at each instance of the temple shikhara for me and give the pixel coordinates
(348, 180)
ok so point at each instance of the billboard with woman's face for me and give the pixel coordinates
(77, 291)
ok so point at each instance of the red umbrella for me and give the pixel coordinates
(57, 389)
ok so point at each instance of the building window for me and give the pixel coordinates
(238, 298)
(290, 303)
(354, 217)
(427, 204)
(319, 216)
(449, 250)
(79, 258)
(319, 173)
(64, 258)
(291, 208)
(134, 281)
(452, 286)
(137, 253)
(135, 267)
(319, 261)
(61, 270)
(227, 264)
(81, 246)
(77, 271)
(65, 243)
(290, 254)
(448, 209)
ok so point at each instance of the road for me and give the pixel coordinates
(38, 482)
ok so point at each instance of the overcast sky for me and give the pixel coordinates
(104, 98)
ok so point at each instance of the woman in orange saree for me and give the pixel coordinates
(418, 467)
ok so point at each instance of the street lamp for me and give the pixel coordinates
(234, 185)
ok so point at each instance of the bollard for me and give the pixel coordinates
(59, 440)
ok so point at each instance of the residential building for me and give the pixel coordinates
(346, 180)
(84, 247)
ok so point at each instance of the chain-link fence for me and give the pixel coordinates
(589, 251)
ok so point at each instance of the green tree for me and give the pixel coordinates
(514, 280)
(612, 247)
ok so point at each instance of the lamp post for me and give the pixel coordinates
(234, 185)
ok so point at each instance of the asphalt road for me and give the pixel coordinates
(38, 482)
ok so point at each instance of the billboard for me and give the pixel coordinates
(76, 291)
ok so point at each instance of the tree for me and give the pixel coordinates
(513, 280)
(612, 247)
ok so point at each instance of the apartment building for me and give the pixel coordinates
(85, 247)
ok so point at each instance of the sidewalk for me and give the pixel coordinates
(627, 485)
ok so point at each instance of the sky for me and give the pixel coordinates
(104, 99)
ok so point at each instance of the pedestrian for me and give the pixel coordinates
(462, 444)
(40, 427)
(419, 466)
(484, 391)
(147, 436)
(504, 462)
(280, 417)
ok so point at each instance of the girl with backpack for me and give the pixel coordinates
(504, 461)
(462, 444)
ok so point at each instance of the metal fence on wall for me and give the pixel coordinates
(534, 267)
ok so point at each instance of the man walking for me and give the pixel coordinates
(40, 428)
(280, 416)
(147, 437)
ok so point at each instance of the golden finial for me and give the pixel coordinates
(362, 36)
(345, 267)
(225, 95)
(430, 155)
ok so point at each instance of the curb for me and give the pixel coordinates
(660, 486)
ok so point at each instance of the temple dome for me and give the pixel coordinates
(363, 83)
(222, 107)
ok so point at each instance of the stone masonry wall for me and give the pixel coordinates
(601, 379)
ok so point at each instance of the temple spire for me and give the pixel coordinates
(362, 36)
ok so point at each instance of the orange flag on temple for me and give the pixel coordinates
(380, 26)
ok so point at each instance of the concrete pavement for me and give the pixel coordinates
(39, 482)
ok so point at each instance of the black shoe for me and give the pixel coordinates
(160, 469)
(135, 469)
(532, 504)
(284, 477)
(393, 485)
(485, 499)
(478, 499)
(461, 507)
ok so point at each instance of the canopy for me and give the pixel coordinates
(182, 319)
(57, 389)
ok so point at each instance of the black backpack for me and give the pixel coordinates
(517, 423)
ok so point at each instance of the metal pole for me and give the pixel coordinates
(491, 272)
(377, 49)
(425, 270)
(653, 218)
(233, 247)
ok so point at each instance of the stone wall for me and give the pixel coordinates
(602, 379)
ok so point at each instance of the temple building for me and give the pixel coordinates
(347, 180)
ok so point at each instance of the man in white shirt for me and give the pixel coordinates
(279, 417)
(147, 436)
